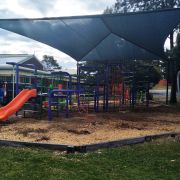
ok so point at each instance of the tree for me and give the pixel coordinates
(144, 70)
(122, 6)
(174, 53)
(50, 63)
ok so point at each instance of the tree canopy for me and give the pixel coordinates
(50, 63)
(123, 6)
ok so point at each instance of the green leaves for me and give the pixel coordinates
(50, 63)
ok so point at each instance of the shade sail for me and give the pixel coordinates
(102, 37)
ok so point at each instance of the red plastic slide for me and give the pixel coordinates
(16, 103)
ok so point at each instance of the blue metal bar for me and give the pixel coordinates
(17, 79)
(69, 82)
(49, 105)
(78, 82)
(123, 93)
(133, 93)
(17, 74)
(64, 73)
(107, 89)
(66, 90)
(95, 100)
(97, 95)
(67, 108)
(51, 95)
(104, 97)
(147, 95)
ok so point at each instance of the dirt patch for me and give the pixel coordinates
(79, 131)
(43, 138)
(93, 127)
(28, 131)
(125, 125)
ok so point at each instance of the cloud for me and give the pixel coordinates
(14, 9)
(5, 13)
(79, 7)
(38, 5)
(99, 5)
(13, 43)
(44, 8)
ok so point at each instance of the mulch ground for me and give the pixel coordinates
(85, 128)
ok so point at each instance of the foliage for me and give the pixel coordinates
(50, 63)
(155, 160)
(176, 52)
(122, 6)
(144, 70)
(174, 64)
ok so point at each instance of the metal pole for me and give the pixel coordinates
(35, 74)
(147, 95)
(133, 93)
(97, 104)
(70, 87)
(95, 97)
(123, 92)
(13, 83)
(78, 83)
(49, 105)
(104, 95)
(67, 110)
(17, 79)
(107, 89)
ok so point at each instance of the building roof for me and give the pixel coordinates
(70, 70)
(111, 38)
(17, 58)
(22, 59)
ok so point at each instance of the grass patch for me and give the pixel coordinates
(156, 160)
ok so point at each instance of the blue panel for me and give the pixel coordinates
(117, 49)
(90, 38)
(52, 32)
(91, 29)
(92, 56)
(147, 30)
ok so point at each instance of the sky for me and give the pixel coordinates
(16, 44)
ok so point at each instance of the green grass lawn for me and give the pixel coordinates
(156, 160)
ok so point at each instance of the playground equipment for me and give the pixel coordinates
(41, 85)
(114, 86)
(16, 103)
(106, 87)
(57, 93)
(109, 38)
(109, 88)
(96, 89)
(17, 74)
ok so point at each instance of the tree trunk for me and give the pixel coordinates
(171, 40)
(173, 99)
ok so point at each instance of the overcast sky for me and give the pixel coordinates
(13, 43)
